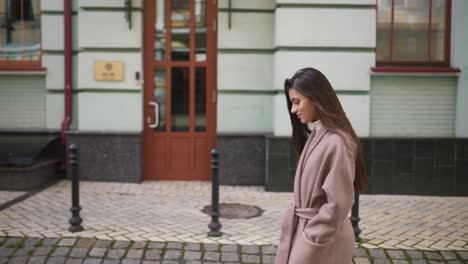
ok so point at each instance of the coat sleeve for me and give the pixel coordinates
(339, 190)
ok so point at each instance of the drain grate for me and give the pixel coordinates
(235, 211)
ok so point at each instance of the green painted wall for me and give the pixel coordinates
(22, 101)
(460, 60)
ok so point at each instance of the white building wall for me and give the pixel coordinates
(337, 38)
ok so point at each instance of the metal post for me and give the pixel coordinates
(75, 220)
(355, 217)
(214, 226)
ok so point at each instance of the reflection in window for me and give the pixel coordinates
(200, 99)
(180, 22)
(414, 32)
(160, 97)
(160, 32)
(20, 30)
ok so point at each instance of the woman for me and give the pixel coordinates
(316, 229)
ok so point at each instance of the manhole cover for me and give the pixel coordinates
(235, 211)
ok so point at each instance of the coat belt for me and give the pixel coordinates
(288, 227)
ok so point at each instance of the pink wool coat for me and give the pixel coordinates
(317, 229)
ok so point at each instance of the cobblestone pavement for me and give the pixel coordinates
(171, 212)
(92, 251)
(6, 196)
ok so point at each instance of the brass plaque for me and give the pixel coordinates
(109, 71)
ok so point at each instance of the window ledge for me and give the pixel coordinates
(32, 71)
(414, 71)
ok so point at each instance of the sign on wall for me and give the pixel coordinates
(109, 71)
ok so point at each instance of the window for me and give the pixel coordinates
(413, 33)
(20, 34)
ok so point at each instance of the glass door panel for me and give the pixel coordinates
(180, 31)
(200, 30)
(200, 99)
(180, 99)
(160, 99)
(160, 32)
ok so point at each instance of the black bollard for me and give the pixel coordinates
(355, 217)
(75, 220)
(214, 226)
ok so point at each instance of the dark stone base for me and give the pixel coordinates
(28, 178)
(241, 159)
(108, 156)
(394, 166)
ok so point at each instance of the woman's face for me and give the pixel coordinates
(302, 107)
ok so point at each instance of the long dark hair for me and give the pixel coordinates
(314, 85)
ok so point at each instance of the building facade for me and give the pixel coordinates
(148, 87)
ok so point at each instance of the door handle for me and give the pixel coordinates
(156, 115)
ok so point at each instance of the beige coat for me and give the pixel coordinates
(317, 229)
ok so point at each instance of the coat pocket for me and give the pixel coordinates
(305, 251)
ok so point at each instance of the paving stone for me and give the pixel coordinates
(130, 261)
(153, 254)
(463, 254)
(97, 252)
(135, 253)
(250, 258)
(49, 242)
(360, 252)
(103, 243)
(74, 261)
(31, 242)
(377, 253)
(156, 245)
(85, 242)
(436, 262)
(362, 261)
(229, 257)
(56, 260)
(170, 262)
(138, 245)
(210, 247)
(150, 262)
(400, 261)
(172, 254)
(268, 259)
(229, 248)
(37, 260)
(212, 256)
(121, 244)
(92, 261)
(269, 250)
(419, 261)
(381, 261)
(454, 262)
(78, 252)
(67, 242)
(433, 255)
(415, 255)
(448, 255)
(42, 251)
(3, 260)
(250, 249)
(396, 254)
(60, 252)
(18, 260)
(192, 247)
(192, 262)
(2, 239)
(13, 242)
(111, 261)
(26, 251)
(6, 252)
(192, 255)
(174, 245)
(115, 253)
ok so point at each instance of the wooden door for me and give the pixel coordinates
(179, 89)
